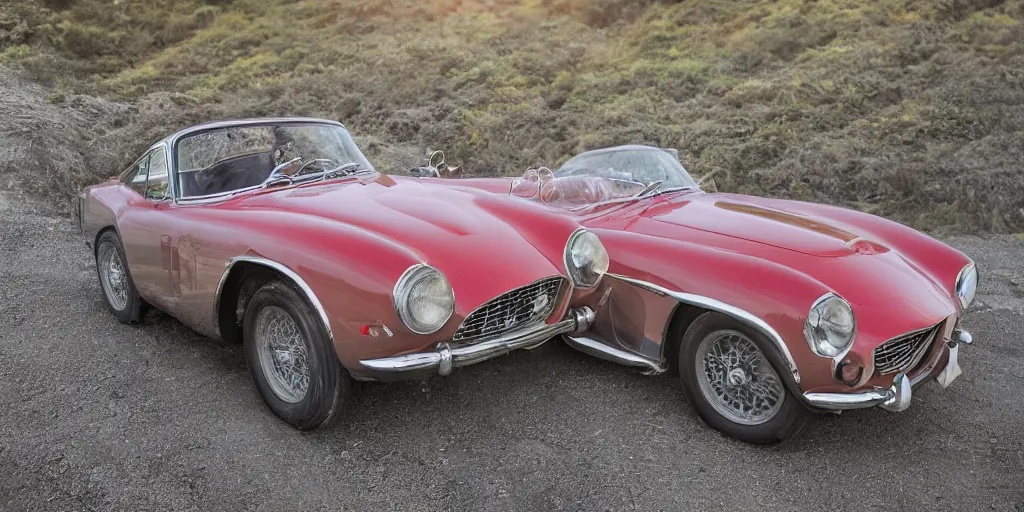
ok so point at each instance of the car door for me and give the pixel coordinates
(145, 226)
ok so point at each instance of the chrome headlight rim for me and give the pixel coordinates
(840, 352)
(572, 270)
(970, 270)
(404, 287)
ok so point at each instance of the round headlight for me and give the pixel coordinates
(967, 285)
(423, 299)
(830, 325)
(586, 260)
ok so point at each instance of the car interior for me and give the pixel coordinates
(232, 173)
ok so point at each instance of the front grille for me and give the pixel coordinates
(530, 304)
(903, 353)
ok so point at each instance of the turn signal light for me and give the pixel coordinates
(375, 331)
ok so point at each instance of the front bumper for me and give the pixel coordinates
(896, 397)
(444, 358)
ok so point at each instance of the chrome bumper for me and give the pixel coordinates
(444, 358)
(897, 397)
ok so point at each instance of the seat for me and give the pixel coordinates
(233, 173)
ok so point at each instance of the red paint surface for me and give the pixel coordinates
(774, 258)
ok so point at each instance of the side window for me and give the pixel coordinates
(156, 188)
(136, 177)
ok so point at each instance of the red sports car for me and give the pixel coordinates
(767, 308)
(280, 234)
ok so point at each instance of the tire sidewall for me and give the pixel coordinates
(132, 310)
(328, 381)
(786, 422)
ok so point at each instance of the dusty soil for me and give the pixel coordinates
(95, 415)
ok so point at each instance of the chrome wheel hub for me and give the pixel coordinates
(113, 278)
(282, 351)
(736, 378)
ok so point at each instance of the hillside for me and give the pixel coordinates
(911, 109)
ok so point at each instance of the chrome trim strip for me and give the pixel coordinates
(444, 358)
(280, 268)
(609, 353)
(895, 398)
(722, 307)
(846, 401)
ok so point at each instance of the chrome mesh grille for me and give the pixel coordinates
(518, 308)
(903, 353)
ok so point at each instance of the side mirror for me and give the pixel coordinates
(674, 152)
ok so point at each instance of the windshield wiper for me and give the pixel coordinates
(345, 170)
(649, 188)
(675, 189)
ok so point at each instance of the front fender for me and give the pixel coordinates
(768, 296)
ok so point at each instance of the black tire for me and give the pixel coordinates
(787, 420)
(328, 383)
(134, 308)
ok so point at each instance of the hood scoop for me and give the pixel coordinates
(768, 226)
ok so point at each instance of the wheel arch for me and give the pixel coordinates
(678, 322)
(691, 304)
(99, 233)
(242, 277)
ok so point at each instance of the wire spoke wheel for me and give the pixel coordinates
(736, 379)
(113, 276)
(283, 354)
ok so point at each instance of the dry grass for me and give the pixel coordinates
(911, 109)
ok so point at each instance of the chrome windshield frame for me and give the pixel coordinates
(171, 143)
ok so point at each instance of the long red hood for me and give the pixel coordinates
(860, 265)
(460, 231)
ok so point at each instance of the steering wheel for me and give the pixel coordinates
(321, 161)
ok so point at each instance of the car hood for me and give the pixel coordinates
(858, 266)
(483, 245)
(749, 218)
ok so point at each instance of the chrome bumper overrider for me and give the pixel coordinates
(444, 358)
(896, 397)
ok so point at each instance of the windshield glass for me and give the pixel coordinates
(233, 158)
(603, 175)
(641, 164)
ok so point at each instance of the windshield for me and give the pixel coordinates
(605, 175)
(228, 159)
(640, 164)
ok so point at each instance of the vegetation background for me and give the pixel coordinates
(911, 109)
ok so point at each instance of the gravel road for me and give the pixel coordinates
(95, 415)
